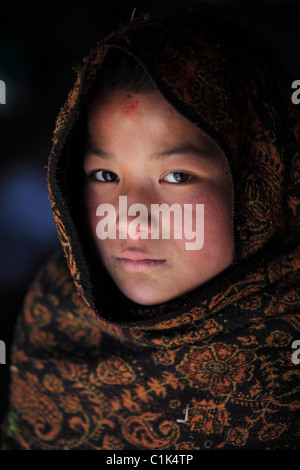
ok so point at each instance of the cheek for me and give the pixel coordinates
(219, 242)
(214, 226)
(211, 207)
(218, 213)
(91, 202)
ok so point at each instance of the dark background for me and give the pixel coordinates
(40, 43)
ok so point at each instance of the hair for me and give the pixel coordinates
(122, 72)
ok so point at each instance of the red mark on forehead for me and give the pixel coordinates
(131, 104)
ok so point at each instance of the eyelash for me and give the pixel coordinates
(190, 177)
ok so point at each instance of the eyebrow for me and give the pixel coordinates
(181, 149)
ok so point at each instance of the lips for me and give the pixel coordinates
(138, 255)
(136, 260)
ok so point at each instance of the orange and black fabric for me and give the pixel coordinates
(212, 369)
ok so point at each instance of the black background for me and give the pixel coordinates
(40, 43)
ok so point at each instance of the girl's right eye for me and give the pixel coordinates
(105, 176)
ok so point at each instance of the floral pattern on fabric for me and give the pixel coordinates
(83, 388)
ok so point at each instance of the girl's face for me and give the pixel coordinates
(140, 147)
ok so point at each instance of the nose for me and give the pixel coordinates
(134, 220)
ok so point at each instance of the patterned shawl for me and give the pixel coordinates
(212, 369)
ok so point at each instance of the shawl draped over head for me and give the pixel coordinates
(211, 369)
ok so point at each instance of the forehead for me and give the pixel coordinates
(129, 102)
(148, 117)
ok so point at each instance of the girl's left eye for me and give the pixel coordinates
(178, 177)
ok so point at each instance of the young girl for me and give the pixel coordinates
(130, 341)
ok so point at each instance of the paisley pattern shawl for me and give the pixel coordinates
(212, 369)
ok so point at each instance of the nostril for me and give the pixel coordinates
(134, 219)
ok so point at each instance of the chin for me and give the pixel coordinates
(146, 297)
(143, 300)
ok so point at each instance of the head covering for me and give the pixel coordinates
(87, 375)
(234, 91)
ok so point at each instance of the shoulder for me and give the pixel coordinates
(52, 311)
(53, 289)
(54, 273)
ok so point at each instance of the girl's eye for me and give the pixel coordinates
(178, 177)
(105, 176)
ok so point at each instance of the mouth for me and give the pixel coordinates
(139, 261)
